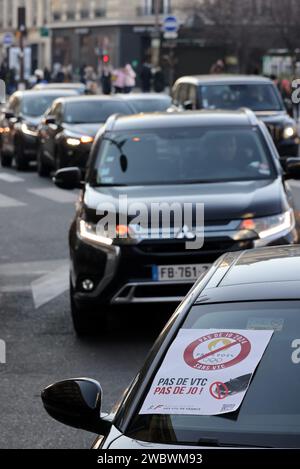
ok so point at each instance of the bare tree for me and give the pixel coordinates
(231, 23)
(285, 17)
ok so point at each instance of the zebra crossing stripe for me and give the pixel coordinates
(6, 202)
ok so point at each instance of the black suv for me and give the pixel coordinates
(259, 94)
(224, 160)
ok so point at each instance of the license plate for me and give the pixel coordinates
(190, 272)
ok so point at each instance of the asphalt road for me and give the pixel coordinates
(35, 322)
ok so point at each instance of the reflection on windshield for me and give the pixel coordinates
(169, 156)
(270, 413)
(93, 112)
(255, 97)
(36, 106)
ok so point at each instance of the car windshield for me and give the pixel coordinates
(151, 105)
(36, 106)
(255, 97)
(269, 415)
(182, 156)
(93, 112)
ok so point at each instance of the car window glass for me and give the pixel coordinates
(256, 97)
(166, 156)
(270, 412)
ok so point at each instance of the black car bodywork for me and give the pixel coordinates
(113, 273)
(237, 281)
(19, 122)
(190, 92)
(64, 141)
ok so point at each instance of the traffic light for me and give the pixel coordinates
(22, 19)
(105, 58)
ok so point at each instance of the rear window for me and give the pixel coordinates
(269, 416)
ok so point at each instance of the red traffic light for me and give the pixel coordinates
(105, 58)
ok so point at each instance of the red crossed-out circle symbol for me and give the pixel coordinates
(217, 351)
(219, 390)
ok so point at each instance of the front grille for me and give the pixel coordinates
(210, 246)
(147, 291)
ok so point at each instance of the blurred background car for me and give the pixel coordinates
(147, 102)
(67, 131)
(259, 94)
(240, 292)
(224, 160)
(19, 125)
(79, 88)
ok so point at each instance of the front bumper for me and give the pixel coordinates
(76, 156)
(289, 147)
(123, 274)
(29, 144)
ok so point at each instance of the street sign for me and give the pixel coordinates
(171, 24)
(170, 27)
(8, 39)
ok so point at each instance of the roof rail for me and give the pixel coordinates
(250, 114)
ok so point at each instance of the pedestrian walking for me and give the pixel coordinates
(146, 77)
(130, 77)
(105, 73)
(119, 80)
(159, 82)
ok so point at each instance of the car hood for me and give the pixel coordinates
(32, 121)
(222, 201)
(274, 117)
(84, 129)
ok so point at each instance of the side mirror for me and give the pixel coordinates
(77, 403)
(68, 178)
(291, 167)
(188, 105)
(50, 120)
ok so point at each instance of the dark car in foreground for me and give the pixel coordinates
(147, 102)
(67, 130)
(254, 293)
(19, 122)
(225, 161)
(259, 94)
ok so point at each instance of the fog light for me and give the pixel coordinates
(87, 284)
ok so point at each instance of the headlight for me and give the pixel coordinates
(75, 140)
(97, 234)
(26, 130)
(269, 226)
(289, 132)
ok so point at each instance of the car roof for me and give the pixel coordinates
(205, 118)
(144, 96)
(270, 273)
(224, 79)
(60, 85)
(100, 98)
(46, 92)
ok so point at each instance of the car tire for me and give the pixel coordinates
(85, 321)
(42, 169)
(6, 160)
(20, 158)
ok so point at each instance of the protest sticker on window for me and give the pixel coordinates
(206, 372)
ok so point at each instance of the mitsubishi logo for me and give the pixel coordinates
(185, 233)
